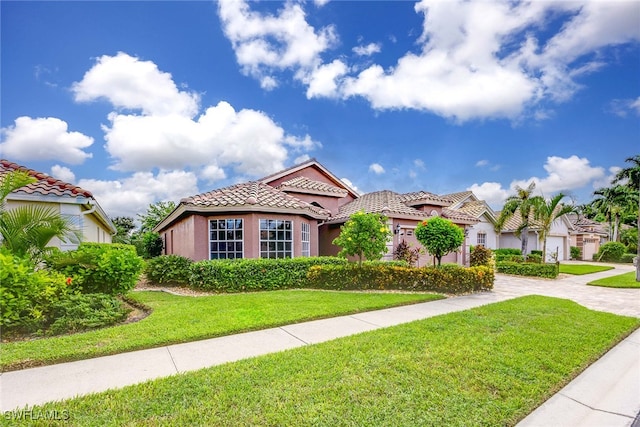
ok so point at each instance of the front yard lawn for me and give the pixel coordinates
(491, 365)
(579, 269)
(177, 319)
(626, 280)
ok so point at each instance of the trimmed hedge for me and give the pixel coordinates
(628, 258)
(507, 251)
(452, 279)
(528, 269)
(502, 257)
(245, 275)
(168, 270)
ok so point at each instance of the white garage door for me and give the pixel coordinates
(555, 243)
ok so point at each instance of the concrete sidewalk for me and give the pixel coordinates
(607, 393)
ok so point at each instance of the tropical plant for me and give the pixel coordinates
(613, 202)
(522, 202)
(27, 230)
(404, 252)
(439, 236)
(546, 212)
(632, 175)
(364, 235)
(124, 226)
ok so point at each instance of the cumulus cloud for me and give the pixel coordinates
(163, 128)
(63, 173)
(481, 163)
(490, 192)
(132, 195)
(477, 59)
(376, 168)
(264, 43)
(563, 175)
(44, 138)
(367, 50)
(350, 185)
(130, 83)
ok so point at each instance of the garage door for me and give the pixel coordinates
(555, 243)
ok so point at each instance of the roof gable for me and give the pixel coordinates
(45, 185)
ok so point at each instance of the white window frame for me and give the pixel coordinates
(273, 239)
(484, 239)
(226, 236)
(306, 239)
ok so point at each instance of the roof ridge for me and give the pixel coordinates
(43, 178)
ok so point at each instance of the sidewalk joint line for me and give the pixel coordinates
(596, 409)
(172, 360)
(364, 321)
(298, 338)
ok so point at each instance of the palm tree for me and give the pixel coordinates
(546, 212)
(612, 203)
(523, 202)
(632, 175)
(26, 230)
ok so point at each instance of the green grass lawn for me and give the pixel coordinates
(580, 269)
(177, 319)
(487, 366)
(626, 280)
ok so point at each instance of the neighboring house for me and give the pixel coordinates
(69, 200)
(587, 235)
(483, 233)
(295, 212)
(557, 241)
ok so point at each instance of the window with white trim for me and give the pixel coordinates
(276, 238)
(481, 239)
(306, 239)
(225, 238)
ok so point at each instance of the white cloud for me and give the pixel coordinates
(322, 80)
(563, 174)
(622, 107)
(320, 3)
(478, 59)
(367, 50)
(490, 192)
(63, 173)
(263, 43)
(127, 82)
(44, 138)
(481, 163)
(636, 105)
(133, 195)
(167, 132)
(419, 163)
(376, 168)
(350, 185)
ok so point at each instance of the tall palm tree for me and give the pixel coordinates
(632, 176)
(522, 201)
(27, 230)
(546, 212)
(612, 203)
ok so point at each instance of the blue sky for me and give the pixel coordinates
(146, 101)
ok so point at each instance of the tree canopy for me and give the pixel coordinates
(439, 236)
(364, 235)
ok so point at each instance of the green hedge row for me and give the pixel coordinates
(242, 275)
(528, 269)
(451, 279)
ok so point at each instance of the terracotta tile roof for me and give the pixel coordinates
(309, 185)
(586, 225)
(458, 197)
(251, 195)
(423, 198)
(46, 184)
(456, 215)
(475, 208)
(515, 221)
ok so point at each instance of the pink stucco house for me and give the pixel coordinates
(295, 212)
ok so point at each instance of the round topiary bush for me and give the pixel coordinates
(611, 251)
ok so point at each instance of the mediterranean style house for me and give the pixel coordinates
(298, 212)
(69, 200)
(587, 235)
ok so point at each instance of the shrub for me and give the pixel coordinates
(627, 258)
(108, 268)
(452, 279)
(509, 258)
(507, 251)
(528, 269)
(168, 270)
(535, 258)
(79, 312)
(611, 251)
(241, 275)
(536, 252)
(26, 294)
(481, 256)
(404, 252)
(152, 244)
(439, 236)
(576, 253)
